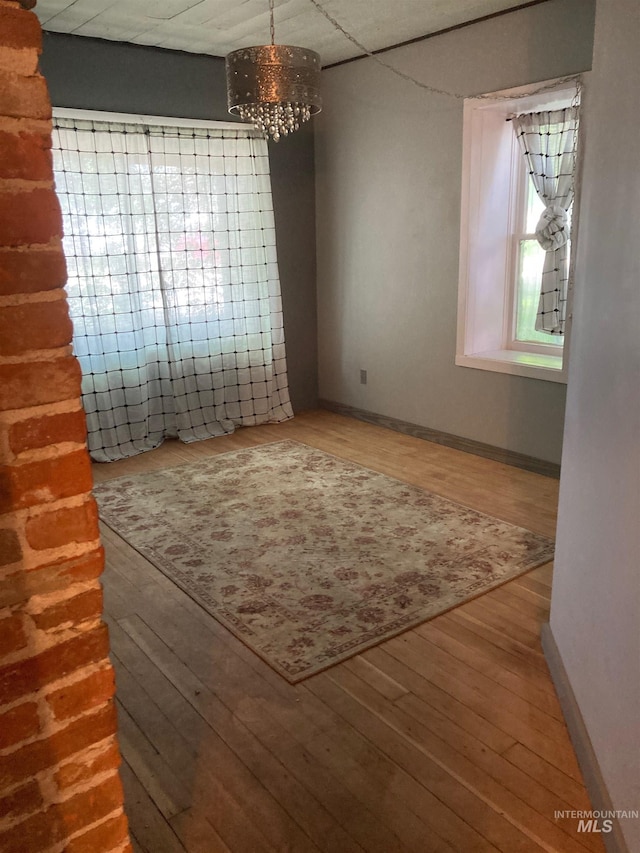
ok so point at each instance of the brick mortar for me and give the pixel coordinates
(43, 559)
(8, 456)
(13, 124)
(125, 846)
(70, 680)
(23, 185)
(37, 355)
(42, 641)
(55, 243)
(61, 503)
(52, 802)
(43, 509)
(33, 558)
(87, 566)
(14, 300)
(62, 407)
(51, 726)
(42, 454)
(37, 604)
(78, 789)
(9, 706)
(6, 823)
(11, 73)
(44, 711)
(90, 754)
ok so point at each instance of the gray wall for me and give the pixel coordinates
(388, 178)
(595, 606)
(104, 75)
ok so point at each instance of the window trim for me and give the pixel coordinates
(487, 252)
(135, 118)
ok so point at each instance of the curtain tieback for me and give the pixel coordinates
(551, 230)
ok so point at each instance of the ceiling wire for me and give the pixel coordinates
(547, 87)
(377, 59)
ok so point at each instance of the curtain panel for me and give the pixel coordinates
(173, 281)
(548, 141)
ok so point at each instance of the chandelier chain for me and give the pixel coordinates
(376, 58)
(426, 86)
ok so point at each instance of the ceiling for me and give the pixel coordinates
(218, 26)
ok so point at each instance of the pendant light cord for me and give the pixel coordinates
(377, 59)
(433, 89)
(272, 26)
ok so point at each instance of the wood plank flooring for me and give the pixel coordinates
(446, 738)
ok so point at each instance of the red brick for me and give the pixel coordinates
(82, 769)
(24, 97)
(63, 526)
(85, 568)
(25, 156)
(21, 802)
(10, 550)
(83, 695)
(61, 820)
(58, 574)
(34, 326)
(52, 429)
(42, 754)
(18, 724)
(20, 29)
(107, 836)
(12, 636)
(44, 481)
(29, 271)
(34, 673)
(38, 832)
(89, 806)
(87, 605)
(30, 216)
(39, 382)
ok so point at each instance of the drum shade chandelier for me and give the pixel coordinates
(276, 87)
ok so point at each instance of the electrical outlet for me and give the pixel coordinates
(363, 377)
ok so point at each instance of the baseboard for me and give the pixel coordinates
(467, 445)
(595, 784)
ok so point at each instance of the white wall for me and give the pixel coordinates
(388, 161)
(595, 608)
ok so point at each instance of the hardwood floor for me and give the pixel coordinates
(446, 738)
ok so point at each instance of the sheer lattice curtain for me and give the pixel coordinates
(173, 281)
(548, 140)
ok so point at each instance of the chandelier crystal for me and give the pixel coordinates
(275, 87)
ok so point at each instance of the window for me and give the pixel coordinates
(527, 263)
(173, 281)
(501, 261)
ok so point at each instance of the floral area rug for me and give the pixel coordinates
(309, 559)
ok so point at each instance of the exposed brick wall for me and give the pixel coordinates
(59, 784)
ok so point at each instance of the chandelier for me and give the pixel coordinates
(276, 87)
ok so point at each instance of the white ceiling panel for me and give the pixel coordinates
(219, 26)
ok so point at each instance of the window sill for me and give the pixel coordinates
(533, 365)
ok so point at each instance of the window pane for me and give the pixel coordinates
(530, 263)
(534, 208)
